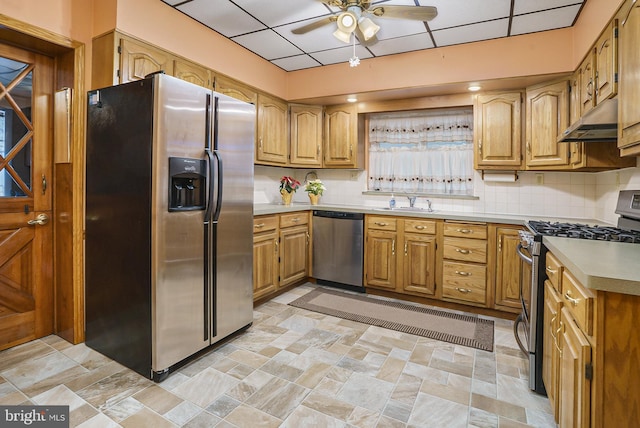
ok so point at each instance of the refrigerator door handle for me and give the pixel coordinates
(209, 210)
(216, 214)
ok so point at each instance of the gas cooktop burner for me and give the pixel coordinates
(583, 231)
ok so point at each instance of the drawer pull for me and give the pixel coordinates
(573, 300)
(463, 273)
(419, 227)
(462, 251)
(552, 271)
(381, 223)
(259, 225)
(463, 290)
(295, 220)
(464, 230)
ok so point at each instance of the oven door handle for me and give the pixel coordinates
(528, 259)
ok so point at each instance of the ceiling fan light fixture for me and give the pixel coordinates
(342, 36)
(368, 27)
(347, 22)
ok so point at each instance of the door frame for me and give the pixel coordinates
(68, 177)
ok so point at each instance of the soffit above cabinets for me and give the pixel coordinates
(264, 26)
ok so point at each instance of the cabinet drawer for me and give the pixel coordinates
(466, 250)
(554, 269)
(263, 224)
(466, 282)
(294, 219)
(420, 226)
(465, 230)
(579, 301)
(381, 223)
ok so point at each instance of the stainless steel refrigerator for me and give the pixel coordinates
(169, 220)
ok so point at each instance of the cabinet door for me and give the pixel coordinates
(587, 82)
(498, 134)
(574, 97)
(508, 268)
(575, 388)
(341, 136)
(380, 257)
(294, 254)
(306, 135)
(629, 81)
(192, 72)
(138, 60)
(235, 90)
(265, 263)
(419, 264)
(607, 63)
(547, 114)
(551, 347)
(272, 143)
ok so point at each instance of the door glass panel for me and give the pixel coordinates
(16, 129)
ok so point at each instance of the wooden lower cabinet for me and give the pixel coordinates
(551, 346)
(400, 255)
(281, 251)
(510, 270)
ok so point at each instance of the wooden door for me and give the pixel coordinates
(381, 259)
(607, 63)
(551, 346)
(26, 237)
(341, 136)
(265, 263)
(306, 136)
(629, 81)
(419, 262)
(294, 254)
(508, 268)
(498, 131)
(193, 73)
(137, 60)
(272, 144)
(587, 83)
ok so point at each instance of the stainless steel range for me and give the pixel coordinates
(533, 252)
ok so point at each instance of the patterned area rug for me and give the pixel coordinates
(455, 328)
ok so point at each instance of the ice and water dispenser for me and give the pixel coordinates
(187, 184)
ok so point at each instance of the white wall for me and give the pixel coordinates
(576, 195)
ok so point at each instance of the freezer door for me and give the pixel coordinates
(179, 289)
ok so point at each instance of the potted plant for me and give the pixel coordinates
(288, 186)
(314, 188)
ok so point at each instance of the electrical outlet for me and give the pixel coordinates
(539, 178)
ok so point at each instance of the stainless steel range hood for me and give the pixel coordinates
(600, 124)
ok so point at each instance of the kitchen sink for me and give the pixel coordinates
(406, 209)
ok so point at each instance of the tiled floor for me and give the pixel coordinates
(293, 368)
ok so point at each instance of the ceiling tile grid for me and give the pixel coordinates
(265, 27)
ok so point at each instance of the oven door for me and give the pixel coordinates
(526, 284)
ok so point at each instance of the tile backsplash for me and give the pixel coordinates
(577, 195)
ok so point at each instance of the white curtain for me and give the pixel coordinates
(430, 152)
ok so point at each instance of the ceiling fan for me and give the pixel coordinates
(353, 18)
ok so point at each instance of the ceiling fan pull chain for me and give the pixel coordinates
(354, 61)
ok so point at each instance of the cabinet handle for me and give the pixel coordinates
(462, 251)
(381, 223)
(464, 230)
(528, 147)
(295, 220)
(405, 248)
(260, 143)
(308, 238)
(393, 247)
(558, 331)
(463, 273)
(419, 227)
(277, 245)
(571, 299)
(552, 271)
(463, 290)
(259, 225)
(480, 147)
(590, 89)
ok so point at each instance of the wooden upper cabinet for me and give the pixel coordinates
(547, 115)
(587, 73)
(606, 51)
(137, 60)
(192, 72)
(235, 89)
(629, 81)
(272, 144)
(341, 136)
(498, 131)
(306, 135)
(574, 96)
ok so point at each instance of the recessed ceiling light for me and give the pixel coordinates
(474, 88)
(352, 98)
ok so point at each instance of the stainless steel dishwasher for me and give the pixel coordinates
(338, 249)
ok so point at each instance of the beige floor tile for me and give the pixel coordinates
(158, 399)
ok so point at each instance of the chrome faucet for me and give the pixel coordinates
(429, 209)
(412, 200)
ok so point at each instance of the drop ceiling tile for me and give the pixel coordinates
(335, 56)
(268, 44)
(280, 12)
(452, 13)
(391, 28)
(527, 6)
(297, 62)
(471, 33)
(547, 20)
(402, 44)
(221, 15)
(172, 2)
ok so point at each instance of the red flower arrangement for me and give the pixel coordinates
(289, 184)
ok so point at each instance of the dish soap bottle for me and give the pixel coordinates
(392, 202)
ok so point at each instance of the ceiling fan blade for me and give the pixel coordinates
(315, 24)
(418, 13)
